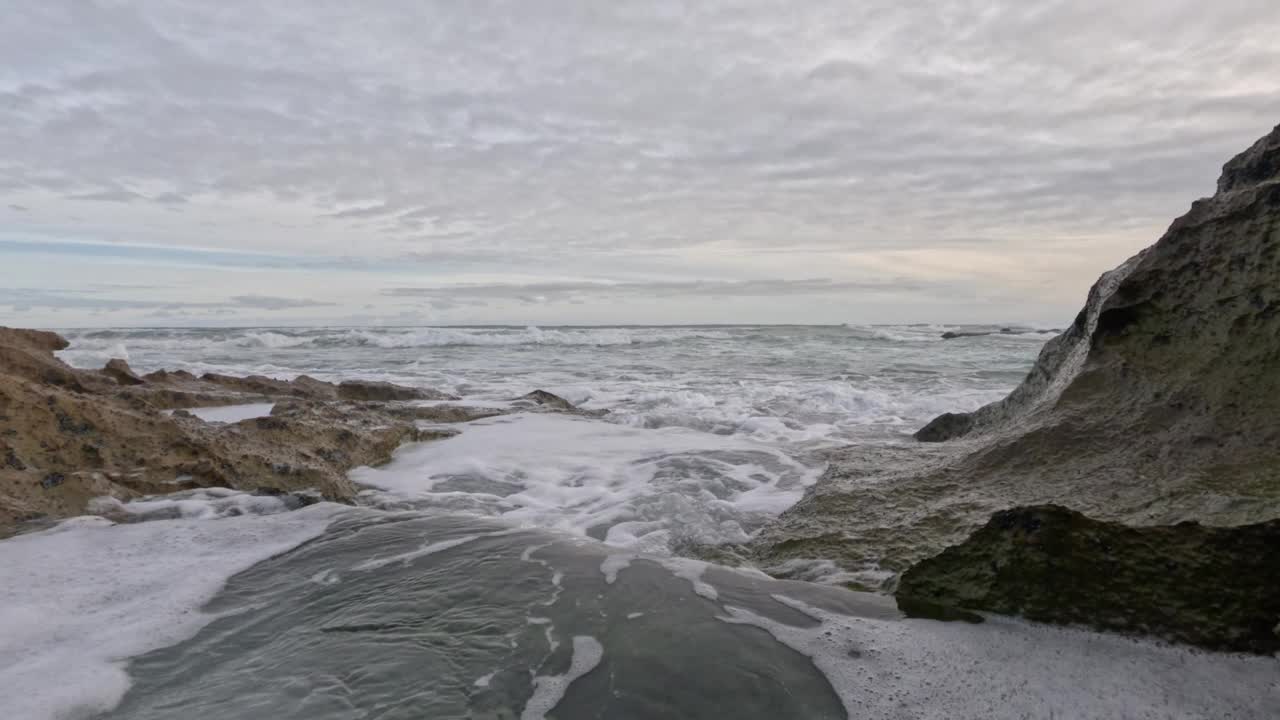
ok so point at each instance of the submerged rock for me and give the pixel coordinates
(1217, 588)
(542, 398)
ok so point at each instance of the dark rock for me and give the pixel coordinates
(52, 480)
(382, 391)
(945, 427)
(542, 398)
(120, 371)
(1214, 587)
(12, 461)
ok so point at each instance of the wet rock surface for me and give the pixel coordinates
(1159, 405)
(385, 391)
(69, 435)
(1217, 588)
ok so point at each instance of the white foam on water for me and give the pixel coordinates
(484, 680)
(691, 570)
(789, 410)
(580, 475)
(407, 557)
(634, 615)
(199, 504)
(78, 599)
(1010, 669)
(548, 630)
(549, 690)
(613, 564)
(232, 413)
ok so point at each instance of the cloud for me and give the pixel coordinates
(657, 140)
(268, 302)
(103, 299)
(363, 212)
(169, 198)
(554, 291)
(18, 208)
(118, 196)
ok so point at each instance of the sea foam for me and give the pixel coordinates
(81, 597)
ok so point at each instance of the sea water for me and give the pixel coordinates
(530, 567)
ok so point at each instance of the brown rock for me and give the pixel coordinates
(385, 391)
(120, 371)
(69, 435)
(38, 340)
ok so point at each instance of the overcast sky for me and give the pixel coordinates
(174, 162)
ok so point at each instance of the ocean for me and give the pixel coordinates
(535, 565)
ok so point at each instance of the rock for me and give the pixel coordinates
(953, 334)
(39, 340)
(1159, 404)
(68, 435)
(304, 386)
(544, 399)
(120, 371)
(1217, 588)
(945, 427)
(169, 376)
(385, 391)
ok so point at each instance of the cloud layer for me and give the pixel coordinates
(967, 157)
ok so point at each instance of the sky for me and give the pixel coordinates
(300, 162)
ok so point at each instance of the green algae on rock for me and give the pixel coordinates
(1217, 588)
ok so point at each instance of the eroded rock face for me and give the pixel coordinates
(1160, 404)
(69, 435)
(1217, 588)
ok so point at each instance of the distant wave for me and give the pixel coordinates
(896, 333)
(388, 338)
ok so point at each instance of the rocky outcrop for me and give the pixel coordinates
(119, 370)
(385, 391)
(544, 399)
(945, 427)
(69, 435)
(1218, 588)
(1159, 405)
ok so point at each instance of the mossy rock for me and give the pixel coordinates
(1213, 587)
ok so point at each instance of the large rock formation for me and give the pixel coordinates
(1160, 404)
(69, 435)
(1218, 588)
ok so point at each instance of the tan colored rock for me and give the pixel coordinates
(119, 370)
(38, 340)
(68, 435)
